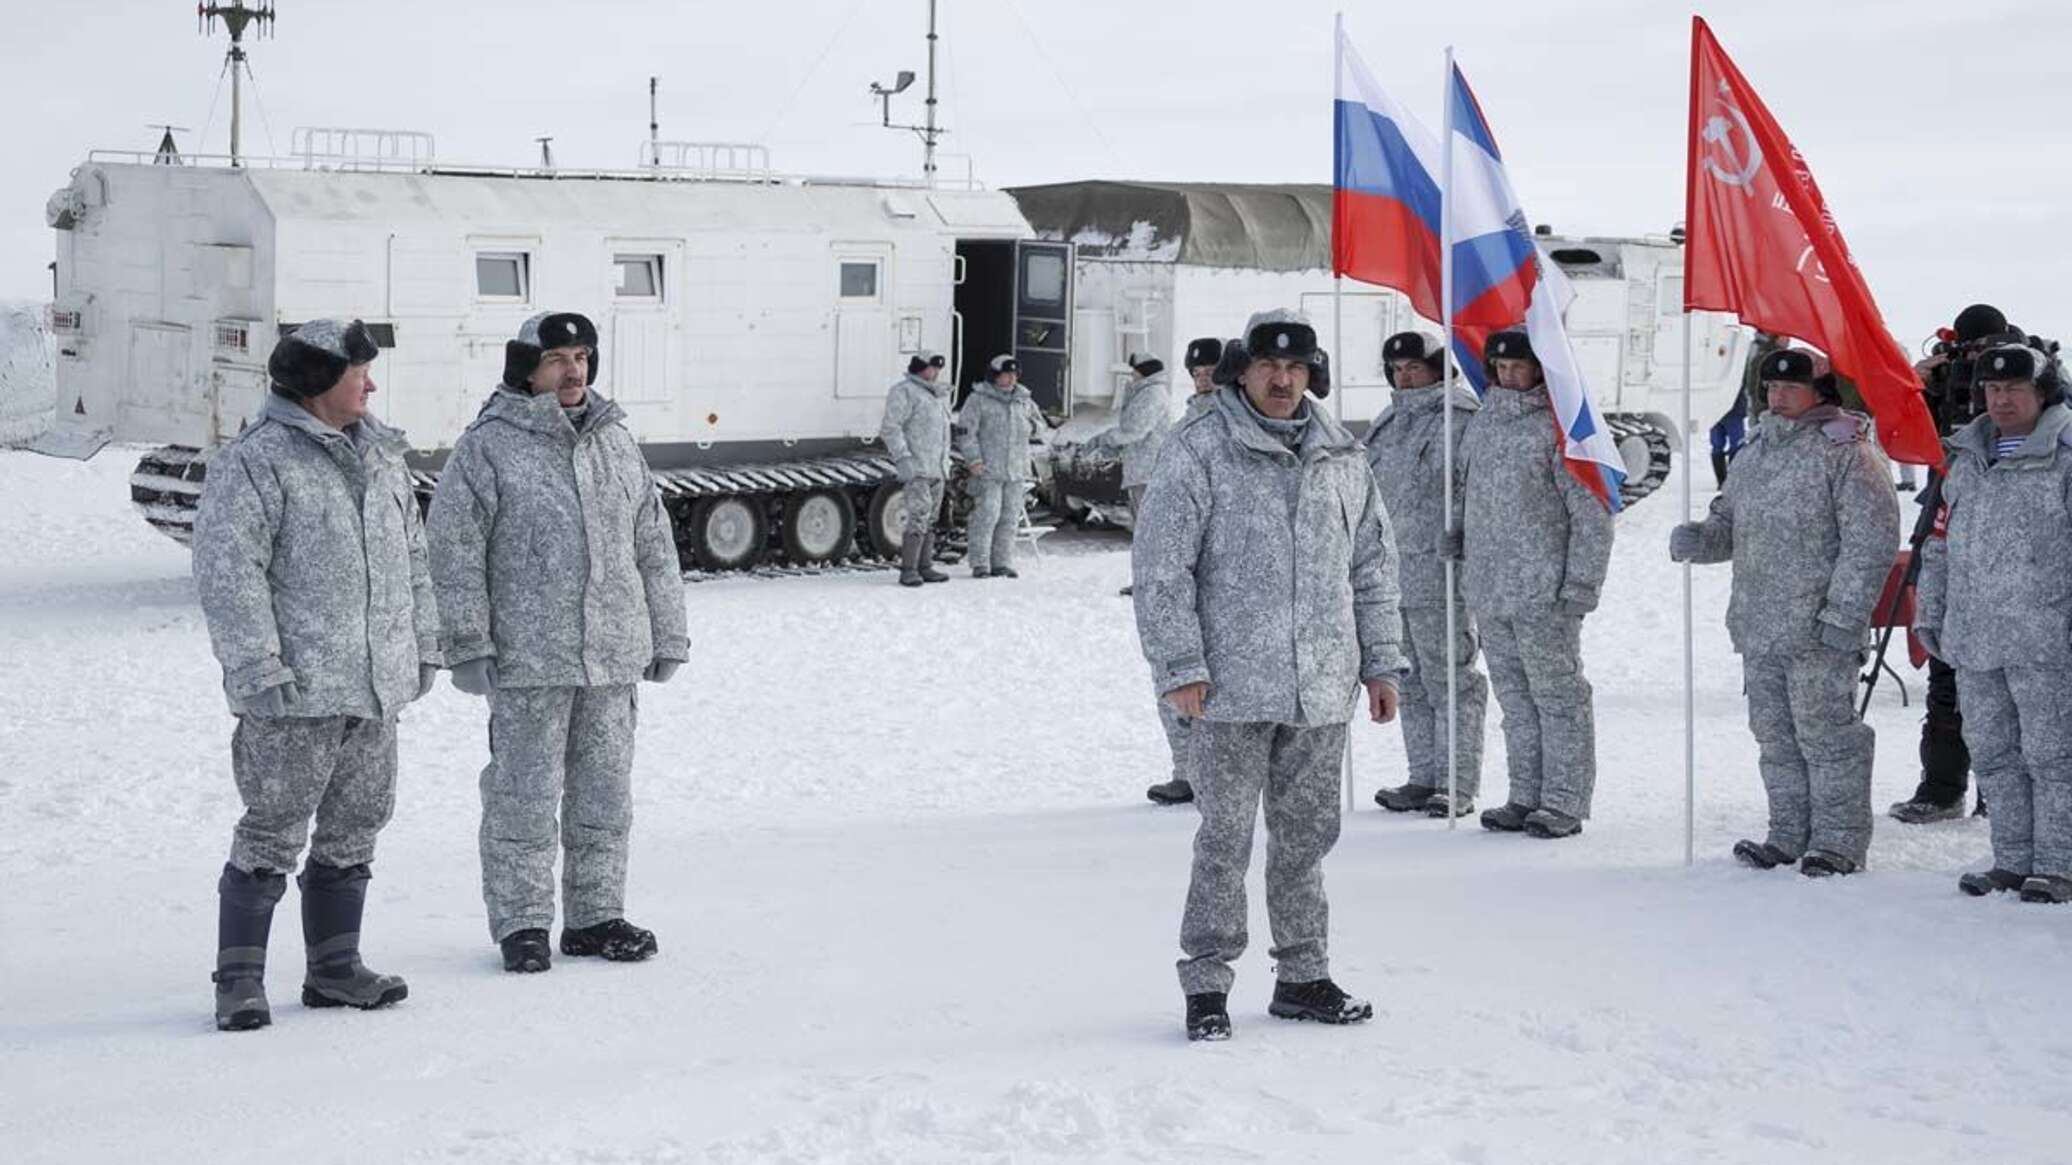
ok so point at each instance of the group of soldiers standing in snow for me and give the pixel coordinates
(1256, 676)
(1281, 566)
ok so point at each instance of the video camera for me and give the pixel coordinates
(1952, 388)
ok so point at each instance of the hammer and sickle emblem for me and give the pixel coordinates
(1721, 159)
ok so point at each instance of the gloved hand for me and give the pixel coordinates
(1841, 640)
(1575, 605)
(1452, 544)
(477, 677)
(904, 469)
(660, 670)
(1684, 542)
(1930, 639)
(271, 704)
(427, 675)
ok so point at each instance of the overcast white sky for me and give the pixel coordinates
(1938, 128)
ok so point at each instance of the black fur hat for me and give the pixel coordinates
(1412, 346)
(1145, 364)
(1284, 334)
(1281, 340)
(557, 329)
(2035, 361)
(925, 359)
(309, 361)
(1792, 365)
(1206, 352)
(1509, 344)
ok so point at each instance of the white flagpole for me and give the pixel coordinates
(1446, 436)
(1337, 326)
(1690, 699)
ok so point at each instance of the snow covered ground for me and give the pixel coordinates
(913, 908)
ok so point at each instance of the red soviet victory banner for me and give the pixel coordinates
(1761, 244)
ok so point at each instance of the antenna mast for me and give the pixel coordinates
(236, 17)
(929, 132)
(654, 127)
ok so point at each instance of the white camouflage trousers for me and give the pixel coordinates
(1423, 710)
(919, 500)
(560, 770)
(1814, 753)
(1550, 735)
(996, 516)
(1295, 771)
(339, 770)
(2018, 724)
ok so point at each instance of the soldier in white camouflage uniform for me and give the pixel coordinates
(1263, 489)
(993, 430)
(1202, 357)
(561, 590)
(1809, 519)
(1536, 544)
(1995, 603)
(1407, 451)
(310, 560)
(916, 432)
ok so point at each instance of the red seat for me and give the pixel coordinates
(1899, 613)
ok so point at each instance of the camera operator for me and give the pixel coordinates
(1949, 382)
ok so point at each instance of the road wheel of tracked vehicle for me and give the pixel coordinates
(728, 533)
(817, 526)
(1645, 444)
(883, 521)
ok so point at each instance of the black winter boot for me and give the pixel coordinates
(333, 898)
(617, 940)
(1173, 792)
(244, 918)
(527, 952)
(1760, 855)
(1508, 817)
(910, 560)
(1208, 1016)
(1993, 881)
(927, 564)
(1820, 863)
(1320, 1000)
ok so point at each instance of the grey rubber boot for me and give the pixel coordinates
(332, 901)
(244, 917)
(1409, 798)
(1508, 817)
(927, 564)
(910, 560)
(2052, 888)
(1551, 823)
(1440, 806)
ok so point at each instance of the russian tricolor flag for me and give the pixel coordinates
(1387, 229)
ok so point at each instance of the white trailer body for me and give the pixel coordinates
(750, 327)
